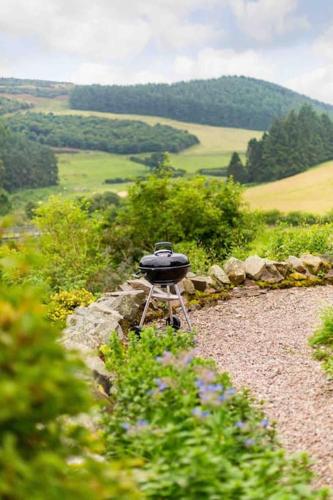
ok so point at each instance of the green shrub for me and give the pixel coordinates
(63, 303)
(322, 341)
(209, 212)
(70, 244)
(194, 435)
(200, 259)
(44, 454)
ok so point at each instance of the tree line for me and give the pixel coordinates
(11, 105)
(113, 136)
(24, 163)
(233, 101)
(292, 145)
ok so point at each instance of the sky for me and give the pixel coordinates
(289, 42)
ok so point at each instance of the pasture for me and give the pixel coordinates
(310, 191)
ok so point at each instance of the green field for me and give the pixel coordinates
(84, 172)
(311, 191)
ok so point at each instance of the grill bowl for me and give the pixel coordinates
(164, 267)
(165, 276)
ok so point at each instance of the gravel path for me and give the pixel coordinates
(262, 342)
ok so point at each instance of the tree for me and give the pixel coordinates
(236, 169)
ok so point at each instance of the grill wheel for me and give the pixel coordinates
(174, 321)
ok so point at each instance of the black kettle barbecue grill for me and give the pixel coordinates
(164, 268)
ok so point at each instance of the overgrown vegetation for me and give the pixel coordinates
(279, 242)
(230, 101)
(90, 132)
(322, 342)
(191, 433)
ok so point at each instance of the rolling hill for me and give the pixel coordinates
(310, 191)
(230, 101)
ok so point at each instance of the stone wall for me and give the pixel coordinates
(90, 327)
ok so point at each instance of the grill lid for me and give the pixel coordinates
(163, 258)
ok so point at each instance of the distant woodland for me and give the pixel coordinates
(293, 144)
(11, 105)
(231, 101)
(24, 163)
(113, 136)
(38, 88)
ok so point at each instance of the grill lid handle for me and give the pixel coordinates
(163, 247)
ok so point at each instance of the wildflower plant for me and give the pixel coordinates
(194, 435)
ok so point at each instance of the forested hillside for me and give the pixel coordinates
(114, 136)
(25, 164)
(230, 101)
(292, 145)
(10, 105)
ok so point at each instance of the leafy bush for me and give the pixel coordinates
(208, 212)
(193, 435)
(285, 241)
(43, 452)
(322, 341)
(70, 244)
(199, 257)
(63, 303)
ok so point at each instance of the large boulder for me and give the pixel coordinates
(188, 286)
(235, 269)
(255, 267)
(127, 303)
(202, 283)
(140, 284)
(296, 264)
(92, 327)
(282, 267)
(312, 263)
(260, 269)
(219, 276)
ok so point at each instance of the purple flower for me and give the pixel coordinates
(167, 358)
(214, 387)
(126, 426)
(264, 423)
(142, 423)
(162, 385)
(240, 424)
(198, 412)
(249, 442)
(230, 392)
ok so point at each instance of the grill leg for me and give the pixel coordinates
(143, 317)
(170, 306)
(188, 321)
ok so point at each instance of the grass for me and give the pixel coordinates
(84, 172)
(311, 191)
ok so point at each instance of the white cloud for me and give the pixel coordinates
(317, 83)
(211, 63)
(104, 30)
(263, 20)
(208, 63)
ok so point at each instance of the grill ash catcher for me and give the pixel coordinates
(165, 269)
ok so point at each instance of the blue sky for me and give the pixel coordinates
(130, 41)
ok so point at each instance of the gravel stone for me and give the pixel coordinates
(262, 342)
